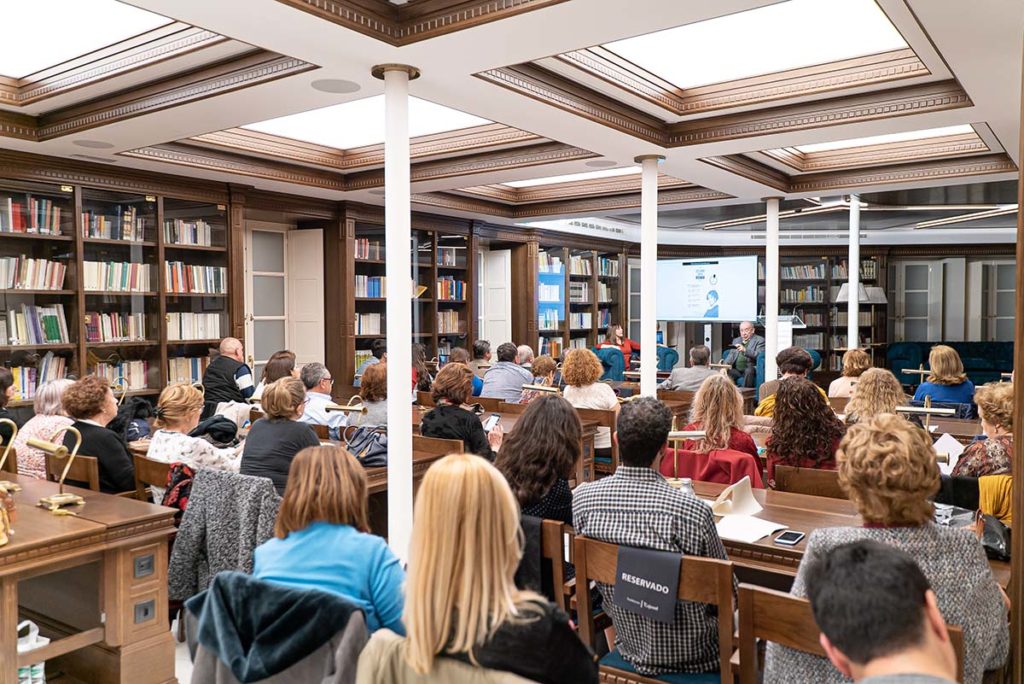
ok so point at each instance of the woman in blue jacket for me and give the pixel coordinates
(947, 381)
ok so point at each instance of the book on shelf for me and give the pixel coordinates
(115, 276)
(185, 232)
(185, 325)
(604, 318)
(552, 346)
(549, 294)
(120, 223)
(37, 216)
(114, 327)
(580, 265)
(579, 293)
(863, 318)
(811, 341)
(418, 290)
(25, 273)
(868, 270)
(449, 256)
(193, 279)
(578, 343)
(448, 323)
(548, 319)
(28, 379)
(451, 290)
(130, 373)
(549, 263)
(368, 323)
(580, 320)
(812, 294)
(366, 249)
(605, 292)
(608, 268)
(361, 356)
(32, 324)
(803, 272)
(188, 369)
(371, 286)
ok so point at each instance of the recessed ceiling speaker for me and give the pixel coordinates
(335, 85)
(600, 163)
(93, 144)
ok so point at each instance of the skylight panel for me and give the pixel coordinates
(787, 35)
(361, 122)
(40, 34)
(589, 175)
(883, 139)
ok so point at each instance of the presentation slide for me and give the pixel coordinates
(717, 289)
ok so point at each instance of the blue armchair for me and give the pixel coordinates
(614, 364)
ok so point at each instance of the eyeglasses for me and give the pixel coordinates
(330, 380)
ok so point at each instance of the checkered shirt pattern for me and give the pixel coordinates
(637, 507)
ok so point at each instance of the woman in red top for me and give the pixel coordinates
(805, 432)
(616, 338)
(718, 410)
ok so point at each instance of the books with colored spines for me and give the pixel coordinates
(448, 323)
(130, 373)
(361, 356)
(115, 276)
(24, 273)
(38, 216)
(186, 278)
(368, 323)
(365, 249)
(36, 325)
(451, 290)
(185, 325)
(114, 327)
(124, 223)
(188, 369)
(371, 286)
(28, 379)
(183, 232)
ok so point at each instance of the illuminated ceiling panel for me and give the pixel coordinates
(589, 175)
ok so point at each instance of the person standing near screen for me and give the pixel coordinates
(743, 356)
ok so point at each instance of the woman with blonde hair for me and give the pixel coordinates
(322, 538)
(274, 439)
(994, 454)
(718, 411)
(47, 423)
(462, 608)
(947, 382)
(855, 362)
(876, 392)
(581, 371)
(177, 414)
(888, 467)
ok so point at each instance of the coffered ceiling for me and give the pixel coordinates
(803, 99)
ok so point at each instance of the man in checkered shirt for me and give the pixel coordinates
(637, 507)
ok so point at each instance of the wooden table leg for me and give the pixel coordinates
(9, 629)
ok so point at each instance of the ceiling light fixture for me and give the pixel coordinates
(964, 218)
(791, 213)
(93, 144)
(883, 139)
(570, 177)
(600, 163)
(335, 85)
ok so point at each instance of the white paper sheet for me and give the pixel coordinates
(948, 444)
(737, 499)
(746, 528)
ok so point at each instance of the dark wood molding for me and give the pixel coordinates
(236, 260)
(942, 147)
(15, 125)
(305, 208)
(968, 167)
(555, 191)
(750, 169)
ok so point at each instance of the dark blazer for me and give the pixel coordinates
(755, 345)
(270, 447)
(117, 470)
(453, 422)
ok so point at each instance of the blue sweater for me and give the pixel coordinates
(953, 394)
(341, 560)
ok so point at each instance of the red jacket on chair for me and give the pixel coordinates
(723, 466)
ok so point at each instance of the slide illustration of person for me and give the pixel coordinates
(712, 298)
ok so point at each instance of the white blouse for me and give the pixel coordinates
(168, 446)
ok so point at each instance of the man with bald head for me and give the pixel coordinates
(743, 355)
(227, 378)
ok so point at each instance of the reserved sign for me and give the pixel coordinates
(647, 581)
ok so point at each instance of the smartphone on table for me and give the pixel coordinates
(789, 538)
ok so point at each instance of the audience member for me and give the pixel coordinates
(379, 350)
(718, 410)
(879, 618)
(947, 381)
(994, 454)
(281, 364)
(227, 378)
(616, 338)
(505, 379)
(636, 507)
(538, 470)
(689, 379)
(525, 352)
(448, 420)
(743, 356)
(274, 439)
(177, 414)
(460, 355)
(793, 362)
(319, 384)
(49, 421)
(544, 370)
(91, 403)
(581, 371)
(374, 392)
(462, 608)
(322, 538)
(421, 377)
(876, 392)
(805, 430)
(888, 467)
(481, 358)
(855, 362)
(7, 391)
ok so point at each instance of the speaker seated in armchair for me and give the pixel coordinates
(742, 356)
(792, 362)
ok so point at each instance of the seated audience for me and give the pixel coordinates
(855, 362)
(616, 338)
(743, 356)
(481, 362)
(421, 377)
(374, 392)
(91, 403)
(319, 383)
(718, 410)
(879, 618)
(544, 370)
(7, 389)
(274, 439)
(47, 423)
(227, 378)
(690, 379)
(876, 392)
(460, 355)
(462, 608)
(793, 362)
(805, 431)
(994, 454)
(525, 352)
(581, 370)
(379, 349)
(888, 468)
(448, 420)
(505, 379)
(322, 538)
(538, 470)
(636, 507)
(281, 364)
(947, 381)
(177, 414)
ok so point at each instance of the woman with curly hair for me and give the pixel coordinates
(876, 392)
(718, 411)
(947, 382)
(994, 454)
(581, 371)
(806, 431)
(855, 362)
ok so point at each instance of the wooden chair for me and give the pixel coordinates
(436, 445)
(789, 621)
(11, 464)
(149, 473)
(839, 404)
(322, 431)
(809, 481)
(703, 580)
(514, 409)
(605, 418)
(84, 470)
(424, 398)
(676, 395)
(489, 403)
(552, 552)
(255, 414)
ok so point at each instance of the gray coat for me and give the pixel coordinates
(505, 381)
(755, 345)
(688, 379)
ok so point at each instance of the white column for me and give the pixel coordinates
(648, 274)
(853, 268)
(398, 310)
(771, 290)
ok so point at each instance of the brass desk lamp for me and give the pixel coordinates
(55, 501)
(354, 405)
(119, 386)
(7, 485)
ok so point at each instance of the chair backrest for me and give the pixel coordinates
(605, 418)
(789, 621)
(84, 469)
(839, 403)
(322, 431)
(11, 464)
(149, 473)
(810, 481)
(676, 395)
(703, 580)
(489, 403)
(436, 445)
(552, 551)
(424, 398)
(255, 414)
(515, 409)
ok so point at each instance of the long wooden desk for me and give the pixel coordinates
(96, 583)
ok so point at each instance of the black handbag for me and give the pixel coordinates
(369, 446)
(995, 537)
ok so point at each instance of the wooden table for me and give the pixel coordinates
(95, 583)
(964, 430)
